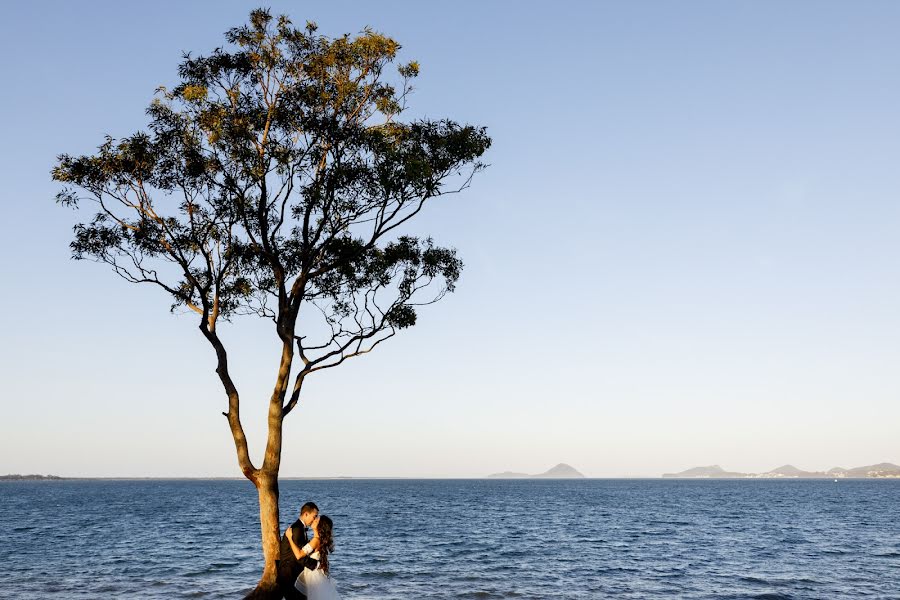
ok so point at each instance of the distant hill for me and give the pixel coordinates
(28, 477)
(792, 472)
(560, 471)
(509, 475)
(711, 472)
(879, 470)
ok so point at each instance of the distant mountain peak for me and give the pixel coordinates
(788, 470)
(560, 471)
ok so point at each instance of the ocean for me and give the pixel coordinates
(593, 538)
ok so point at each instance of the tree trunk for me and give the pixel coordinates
(267, 486)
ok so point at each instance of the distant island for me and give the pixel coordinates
(560, 471)
(29, 478)
(879, 471)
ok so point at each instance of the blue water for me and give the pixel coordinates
(463, 538)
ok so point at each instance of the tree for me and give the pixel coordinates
(273, 181)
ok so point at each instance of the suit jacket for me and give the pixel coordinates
(289, 568)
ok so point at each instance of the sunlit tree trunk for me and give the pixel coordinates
(266, 479)
(267, 488)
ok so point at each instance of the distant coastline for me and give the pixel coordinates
(879, 471)
(560, 471)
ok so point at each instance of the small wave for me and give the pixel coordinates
(382, 574)
(610, 570)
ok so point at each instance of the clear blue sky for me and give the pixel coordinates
(685, 251)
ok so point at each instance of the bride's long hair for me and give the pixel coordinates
(326, 541)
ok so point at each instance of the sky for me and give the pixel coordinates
(685, 250)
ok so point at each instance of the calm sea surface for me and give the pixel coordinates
(462, 538)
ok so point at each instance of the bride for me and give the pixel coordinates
(317, 584)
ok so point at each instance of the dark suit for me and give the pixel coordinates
(289, 568)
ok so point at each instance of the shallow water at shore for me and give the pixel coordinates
(632, 539)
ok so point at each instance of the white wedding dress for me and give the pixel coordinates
(316, 584)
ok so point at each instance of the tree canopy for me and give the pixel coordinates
(275, 176)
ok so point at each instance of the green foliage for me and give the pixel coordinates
(274, 176)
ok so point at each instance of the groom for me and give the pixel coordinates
(289, 568)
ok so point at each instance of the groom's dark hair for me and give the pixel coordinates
(308, 508)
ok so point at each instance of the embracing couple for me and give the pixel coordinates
(303, 568)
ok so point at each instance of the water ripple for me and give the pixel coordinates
(764, 540)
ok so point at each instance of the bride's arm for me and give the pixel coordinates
(298, 551)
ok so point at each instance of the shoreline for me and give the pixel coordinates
(201, 478)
